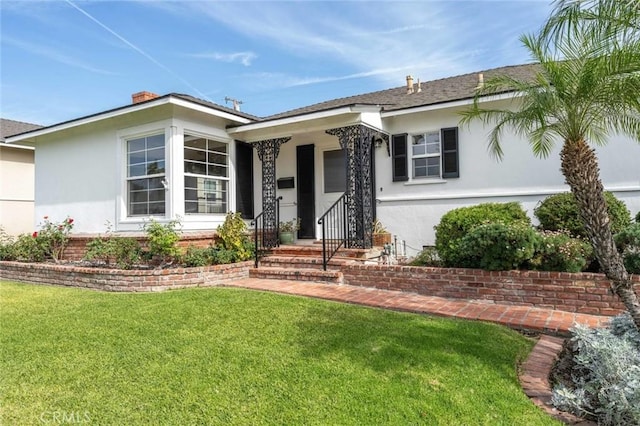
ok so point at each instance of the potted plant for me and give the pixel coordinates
(287, 230)
(380, 235)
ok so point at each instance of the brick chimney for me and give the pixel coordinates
(136, 98)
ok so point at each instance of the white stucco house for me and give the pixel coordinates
(399, 155)
(17, 178)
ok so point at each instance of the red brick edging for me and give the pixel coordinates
(534, 378)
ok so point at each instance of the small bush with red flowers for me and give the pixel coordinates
(47, 243)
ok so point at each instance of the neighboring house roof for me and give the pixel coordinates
(432, 92)
(12, 127)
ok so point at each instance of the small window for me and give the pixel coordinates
(425, 150)
(335, 171)
(433, 155)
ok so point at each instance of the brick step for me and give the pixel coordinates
(304, 262)
(315, 250)
(313, 275)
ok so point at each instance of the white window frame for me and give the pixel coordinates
(229, 170)
(426, 154)
(128, 178)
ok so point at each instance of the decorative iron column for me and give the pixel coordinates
(358, 142)
(268, 151)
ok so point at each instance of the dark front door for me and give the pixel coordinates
(306, 191)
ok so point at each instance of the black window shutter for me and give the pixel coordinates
(450, 162)
(244, 179)
(399, 157)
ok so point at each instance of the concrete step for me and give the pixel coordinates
(304, 262)
(312, 275)
(315, 250)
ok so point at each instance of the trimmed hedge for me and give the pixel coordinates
(559, 212)
(457, 223)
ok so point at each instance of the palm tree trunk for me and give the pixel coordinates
(582, 174)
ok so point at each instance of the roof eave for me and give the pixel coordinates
(333, 112)
(128, 109)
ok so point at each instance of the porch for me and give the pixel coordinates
(322, 173)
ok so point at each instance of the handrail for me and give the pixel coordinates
(269, 237)
(335, 229)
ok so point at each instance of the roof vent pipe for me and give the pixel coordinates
(419, 87)
(480, 81)
(409, 85)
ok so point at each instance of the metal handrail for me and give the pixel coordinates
(335, 229)
(266, 241)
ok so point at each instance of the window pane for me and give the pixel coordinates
(195, 168)
(139, 170)
(136, 145)
(205, 195)
(433, 137)
(146, 196)
(155, 154)
(156, 141)
(217, 146)
(191, 154)
(219, 171)
(155, 168)
(433, 148)
(335, 171)
(215, 158)
(195, 142)
(137, 157)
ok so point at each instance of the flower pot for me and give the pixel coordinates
(286, 237)
(379, 240)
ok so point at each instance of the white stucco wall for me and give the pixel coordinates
(16, 189)
(411, 209)
(82, 173)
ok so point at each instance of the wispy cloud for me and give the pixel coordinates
(245, 58)
(136, 48)
(429, 39)
(52, 53)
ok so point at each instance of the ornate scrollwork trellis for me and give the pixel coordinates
(358, 141)
(268, 151)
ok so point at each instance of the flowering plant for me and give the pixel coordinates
(290, 226)
(54, 237)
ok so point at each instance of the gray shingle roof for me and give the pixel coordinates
(433, 92)
(12, 127)
(215, 106)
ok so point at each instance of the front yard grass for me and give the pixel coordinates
(232, 356)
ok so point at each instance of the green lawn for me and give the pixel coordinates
(231, 356)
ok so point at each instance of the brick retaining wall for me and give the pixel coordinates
(123, 280)
(584, 292)
(77, 247)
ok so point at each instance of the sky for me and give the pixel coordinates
(63, 59)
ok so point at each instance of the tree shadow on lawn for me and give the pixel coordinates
(403, 341)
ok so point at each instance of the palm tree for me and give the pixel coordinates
(586, 86)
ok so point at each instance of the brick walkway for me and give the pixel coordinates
(524, 318)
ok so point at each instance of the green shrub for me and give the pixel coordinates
(221, 256)
(162, 241)
(560, 212)
(196, 256)
(606, 374)
(232, 236)
(122, 251)
(6, 246)
(638, 217)
(558, 251)
(29, 248)
(456, 223)
(628, 242)
(427, 257)
(497, 246)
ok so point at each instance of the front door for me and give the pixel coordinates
(306, 191)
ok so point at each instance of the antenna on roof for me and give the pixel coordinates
(236, 102)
